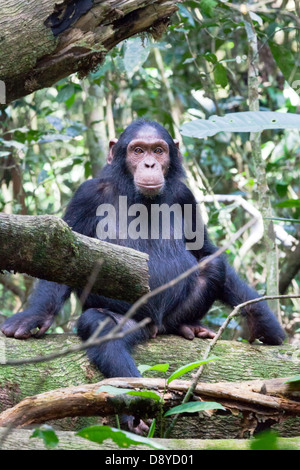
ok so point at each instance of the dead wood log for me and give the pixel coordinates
(239, 362)
(269, 398)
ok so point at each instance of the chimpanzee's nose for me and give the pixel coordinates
(150, 162)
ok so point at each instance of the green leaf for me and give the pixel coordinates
(186, 368)
(113, 390)
(266, 440)
(210, 57)
(289, 203)
(48, 435)
(287, 61)
(13, 143)
(65, 93)
(281, 189)
(220, 75)
(145, 394)
(188, 61)
(121, 391)
(248, 121)
(135, 55)
(255, 17)
(121, 438)
(186, 14)
(194, 406)
(152, 428)
(208, 7)
(160, 367)
(296, 378)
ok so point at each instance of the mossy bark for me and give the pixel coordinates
(35, 52)
(42, 246)
(239, 361)
(19, 439)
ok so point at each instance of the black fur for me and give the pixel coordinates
(184, 304)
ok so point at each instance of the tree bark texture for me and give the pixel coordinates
(239, 362)
(19, 439)
(266, 398)
(42, 245)
(45, 41)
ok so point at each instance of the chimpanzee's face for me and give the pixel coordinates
(148, 161)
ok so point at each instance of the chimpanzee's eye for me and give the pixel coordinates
(138, 150)
(158, 150)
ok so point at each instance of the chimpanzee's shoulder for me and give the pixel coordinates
(184, 194)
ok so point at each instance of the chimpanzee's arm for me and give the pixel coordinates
(49, 297)
(262, 323)
(45, 302)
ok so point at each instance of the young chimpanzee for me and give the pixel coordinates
(145, 166)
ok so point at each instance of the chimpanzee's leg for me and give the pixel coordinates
(112, 357)
(205, 287)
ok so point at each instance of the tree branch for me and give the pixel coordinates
(42, 245)
(43, 42)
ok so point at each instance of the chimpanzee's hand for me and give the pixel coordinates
(192, 331)
(263, 325)
(21, 324)
(138, 426)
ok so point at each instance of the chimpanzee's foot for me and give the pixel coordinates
(198, 331)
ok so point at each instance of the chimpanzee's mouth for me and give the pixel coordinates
(149, 186)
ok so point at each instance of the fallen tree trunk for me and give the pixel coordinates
(19, 439)
(43, 42)
(267, 398)
(239, 362)
(41, 245)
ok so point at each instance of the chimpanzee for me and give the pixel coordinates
(145, 165)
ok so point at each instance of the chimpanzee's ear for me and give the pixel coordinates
(176, 142)
(110, 155)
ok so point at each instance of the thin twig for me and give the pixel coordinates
(85, 345)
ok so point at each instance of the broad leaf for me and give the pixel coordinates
(127, 391)
(289, 203)
(160, 367)
(144, 394)
(220, 75)
(184, 369)
(48, 435)
(113, 390)
(152, 428)
(135, 55)
(288, 63)
(121, 438)
(194, 406)
(296, 378)
(248, 121)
